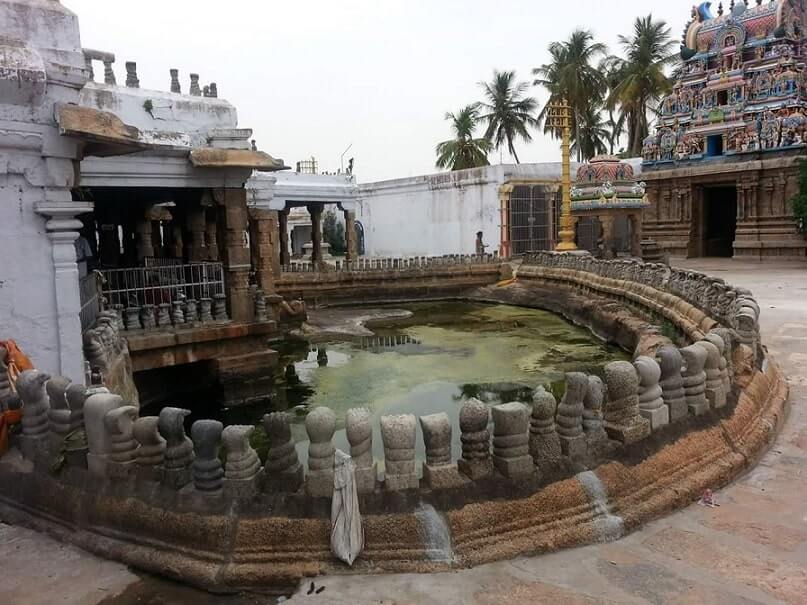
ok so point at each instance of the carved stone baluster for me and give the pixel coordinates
(475, 437)
(398, 434)
(208, 473)
(320, 424)
(179, 448)
(510, 440)
(283, 471)
(359, 430)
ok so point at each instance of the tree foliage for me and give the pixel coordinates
(333, 232)
(464, 150)
(508, 113)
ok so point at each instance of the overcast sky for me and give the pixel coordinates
(310, 77)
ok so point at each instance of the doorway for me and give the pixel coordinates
(719, 221)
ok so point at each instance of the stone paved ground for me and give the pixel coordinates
(751, 549)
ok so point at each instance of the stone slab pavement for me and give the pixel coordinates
(750, 549)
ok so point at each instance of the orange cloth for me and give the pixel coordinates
(17, 361)
(6, 420)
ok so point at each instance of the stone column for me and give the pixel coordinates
(211, 238)
(607, 223)
(62, 227)
(351, 252)
(504, 208)
(235, 254)
(263, 225)
(145, 234)
(316, 233)
(636, 235)
(196, 226)
(283, 227)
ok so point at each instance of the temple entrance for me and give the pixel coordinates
(533, 219)
(719, 220)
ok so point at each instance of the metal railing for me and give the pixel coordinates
(139, 286)
(89, 288)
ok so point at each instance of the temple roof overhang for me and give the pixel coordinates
(208, 157)
(104, 133)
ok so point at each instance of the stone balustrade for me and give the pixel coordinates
(400, 263)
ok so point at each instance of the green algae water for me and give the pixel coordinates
(432, 362)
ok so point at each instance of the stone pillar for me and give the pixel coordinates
(196, 226)
(511, 440)
(607, 223)
(283, 228)
(351, 252)
(263, 226)
(504, 207)
(636, 235)
(399, 433)
(235, 254)
(62, 228)
(320, 425)
(145, 234)
(211, 238)
(570, 416)
(359, 430)
(282, 471)
(316, 233)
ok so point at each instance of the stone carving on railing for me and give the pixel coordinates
(544, 440)
(727, 339)
(415, 263)
(475, 438)
(119, 424)
(398, 434)
(511, 452)
(164, 315)
(282, 470)
(99, 437)
(671, 381)
(569, 418)
(219, 307)
(596, 437)
(206, 310)
(359, 430)
(151, 447)
(695, 379)
(208, 472)
(242, 468)
(75, 395)
(33, 394)
(651, 402)
(438, 470)
(320, 424)
(715, 387)
(623, 422)
(58, 411)
(191, 311)
(177, 313)
(179, 448)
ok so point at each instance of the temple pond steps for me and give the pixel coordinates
(147, 494)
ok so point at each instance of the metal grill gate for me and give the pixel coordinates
(533, 219)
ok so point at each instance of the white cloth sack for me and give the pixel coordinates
(347, 533)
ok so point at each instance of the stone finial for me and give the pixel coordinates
(242, 463)
(151, 445)
(726, 337)
(195, 91)
(715, 376)
(511, 441)
(164, 315)
(283, 470)
(175, 86)
(671, 382)
(622, 419)
(569, 417)
(109, 73)
(119, 423)
(131, 75)
(99, 439)
(438, 471)
(208, 474)
(219, 307)
(695, 379)
(651, 403)
(191, 311)
(320, 424)
(76, 395)
(592, 413)
(359, 430)
(205, 310)
(179, 448)
(214, 90)
(206, 91)
(544, 441)
(399, 434)
(178, 314)
(32, 391)
(58, 411)
(475, 438)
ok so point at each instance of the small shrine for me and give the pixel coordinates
(606, 189)
(741, 87)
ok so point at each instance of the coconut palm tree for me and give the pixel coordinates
(509, 113)
(593, 134)
(463, 151)
(643, 81)
(611, 68)
(571, 74)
